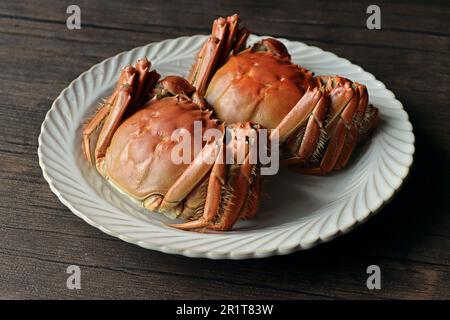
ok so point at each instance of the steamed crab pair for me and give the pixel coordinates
(319, 121)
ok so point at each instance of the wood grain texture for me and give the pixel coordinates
(39, 237)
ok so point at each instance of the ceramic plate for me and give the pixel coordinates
(298, 212)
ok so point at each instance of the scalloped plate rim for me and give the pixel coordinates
(214, 254)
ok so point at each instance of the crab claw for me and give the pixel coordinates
(274, 46)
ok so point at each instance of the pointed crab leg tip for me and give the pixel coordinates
(86, 150)
(196, 224)
(219, 227)
(143, 61)
(317, 171)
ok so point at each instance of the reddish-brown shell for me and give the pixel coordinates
(139, 157)
(258, 87)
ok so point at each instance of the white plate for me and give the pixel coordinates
(300, 212)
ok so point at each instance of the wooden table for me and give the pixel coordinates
(39, 237)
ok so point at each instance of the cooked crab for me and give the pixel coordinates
(262, 84)
(130, 142)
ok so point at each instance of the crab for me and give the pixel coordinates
(129, 141)
(328, 115)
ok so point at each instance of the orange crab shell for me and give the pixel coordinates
(258, 87)
(139, 160)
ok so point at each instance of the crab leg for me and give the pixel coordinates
(233, 23)
(121, 101)
(343, 107)
(127, 95)
(241, 40)
(228, 190)
(358, 132)
(251, 206)
(339, 135)
(352, 138)
(215, 184)
(314, 129)
(224, 38)
(89, 129)
(338, 123)
(126, 77)
(367, 116)
(147, 92)
(237, 197)
(141, 75)
(369, 122)
(309, 112)
(239, 188)
(208, 56)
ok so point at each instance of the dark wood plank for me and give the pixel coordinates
(39, 237)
